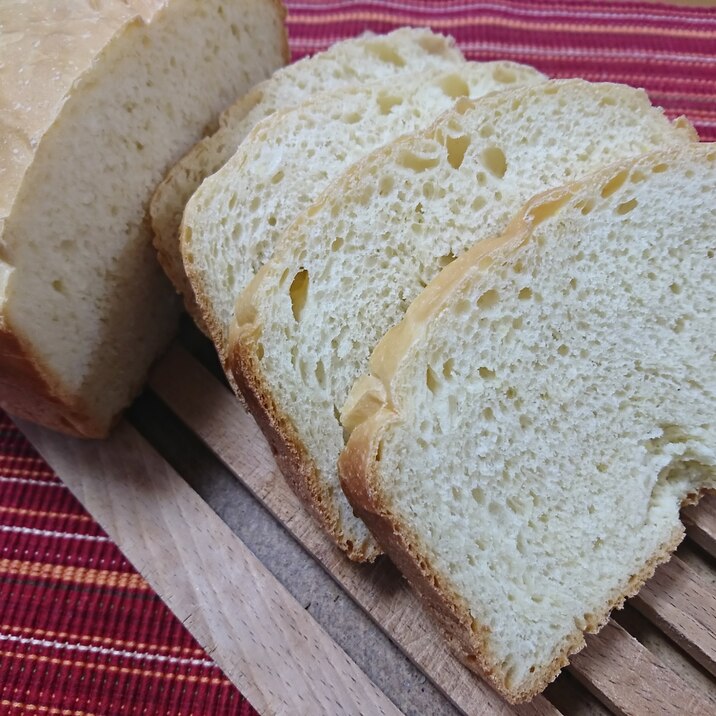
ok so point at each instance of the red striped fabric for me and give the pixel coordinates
(81, 633)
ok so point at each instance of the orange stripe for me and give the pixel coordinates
(327, 19)
(113, 669)
(36, 708)
(82, 575)
(34, 473)
(105, 640)
(40, 513)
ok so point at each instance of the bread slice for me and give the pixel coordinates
(234, 220)
(91, 120)
(350, 265)
(363, 59)
(542, 412)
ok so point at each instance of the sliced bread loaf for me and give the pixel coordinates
(234, 220)
(542, 412)
(350, 265)
(91, 120)
(363, 59)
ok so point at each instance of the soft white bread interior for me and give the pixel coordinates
(91, 119)
(542, 412)
(362, 59)
(349, 266)
(234, 220)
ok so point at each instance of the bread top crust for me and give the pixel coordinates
(44, 39)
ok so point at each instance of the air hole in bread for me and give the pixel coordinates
(298, 292)
(431, 380)
(277, 177)
(626, 207)
(445, 260)
(563, 350)
(386, 54)
(481, 178)
(386, 185)
(386, 102)
(614, 184)
(337, 244)
(504, 75)
(352, 118)
(478, 203)
(494, 160)
(454, 86)
(585, 206)
(320, 372)
(541, 212)
(448, 366)
(456, 148)
(409, 160)
(486, 373)
(525, 293)
(488, 299)
(478, 494)
(58, 286)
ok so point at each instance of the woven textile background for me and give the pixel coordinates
(81, 633)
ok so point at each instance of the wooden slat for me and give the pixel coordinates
(260, 636)
(700, 521)
(630, 680)
(216, 417)
(678, 601)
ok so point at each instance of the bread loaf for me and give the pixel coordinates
(349, 266)
(361, 59)
(542, 412)
(91, 120)
(235, 218)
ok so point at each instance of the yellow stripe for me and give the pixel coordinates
(36, 708)
(113, 669)
(81, 575)
(103, 640)
(327, 19)
(40, 513)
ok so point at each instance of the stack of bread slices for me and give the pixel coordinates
(471, 309)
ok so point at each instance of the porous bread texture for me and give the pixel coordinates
(349, 266)
(362, 59)
(91, 120)
(544, 409)
(234, 220)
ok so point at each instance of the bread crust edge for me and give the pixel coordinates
(293, 459)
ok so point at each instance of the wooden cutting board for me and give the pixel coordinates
(658, 657)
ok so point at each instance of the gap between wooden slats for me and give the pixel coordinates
(630, 680)
(679, 602)
(700, 521)
(214, 414)
(217, 418)
(245, 619)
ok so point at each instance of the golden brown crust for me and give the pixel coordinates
(293, 459)
(27, 393)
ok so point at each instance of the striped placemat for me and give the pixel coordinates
(81, 633)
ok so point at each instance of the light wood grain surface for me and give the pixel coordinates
(264, 641)
(684, 607)
(631, 680)
(215, 415)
